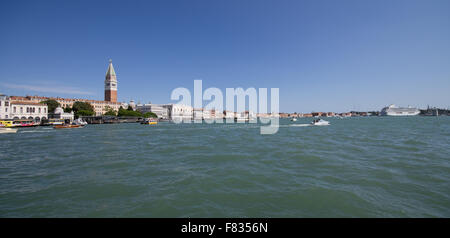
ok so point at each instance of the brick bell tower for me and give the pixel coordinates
(110, 84)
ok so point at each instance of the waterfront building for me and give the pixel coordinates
(276, 115)
(319, 114)
(4, 107)
(207, 114)
(60, 114)
(303, 114)
(241, 116)
(212, 113)
(346, 114)
(263, 115)
(229, 114)
(197, 114)
(131, 104)
(246, 116)
(250, 115)
(100, 107)
(28, 110)
(179, 111)
(159, 110)
(283, 115)
(216, 114)
(201, 114)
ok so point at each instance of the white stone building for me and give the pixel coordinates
(132, 104)
(4, 107)
(60, 114)
(207, 114)
(28, 110)
(217, 114)
(229, 115)
(100, 107)
(197, 113)
(159, 110)
(179, 112)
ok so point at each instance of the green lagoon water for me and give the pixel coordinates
(356, 167)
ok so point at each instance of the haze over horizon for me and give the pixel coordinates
(323, 55)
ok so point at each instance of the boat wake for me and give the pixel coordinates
(301, 125)
(33, 131)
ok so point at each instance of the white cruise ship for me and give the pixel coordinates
(393, 110)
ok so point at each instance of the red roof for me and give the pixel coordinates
(27, 103)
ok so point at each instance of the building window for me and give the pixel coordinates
(39, 110)
(45, 110)
(14, 109)
(6, 104)
(21, 109)
(6, 109)
(6, 116)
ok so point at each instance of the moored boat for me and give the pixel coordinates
(4, 130)
(67, 126)
(19, 123)
(54, 122)
(6, 123)
(80, 122)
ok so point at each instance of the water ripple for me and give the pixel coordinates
(357, 167)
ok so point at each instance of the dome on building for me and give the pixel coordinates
(132, 104)
(59, 110)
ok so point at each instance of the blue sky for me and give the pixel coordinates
(323, 55)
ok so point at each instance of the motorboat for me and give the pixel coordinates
(80, 122)
(67, 126)
(320, 122)
(294, 119)
(4, 130)
(150, 121)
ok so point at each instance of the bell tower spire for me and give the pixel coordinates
(110, 84)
